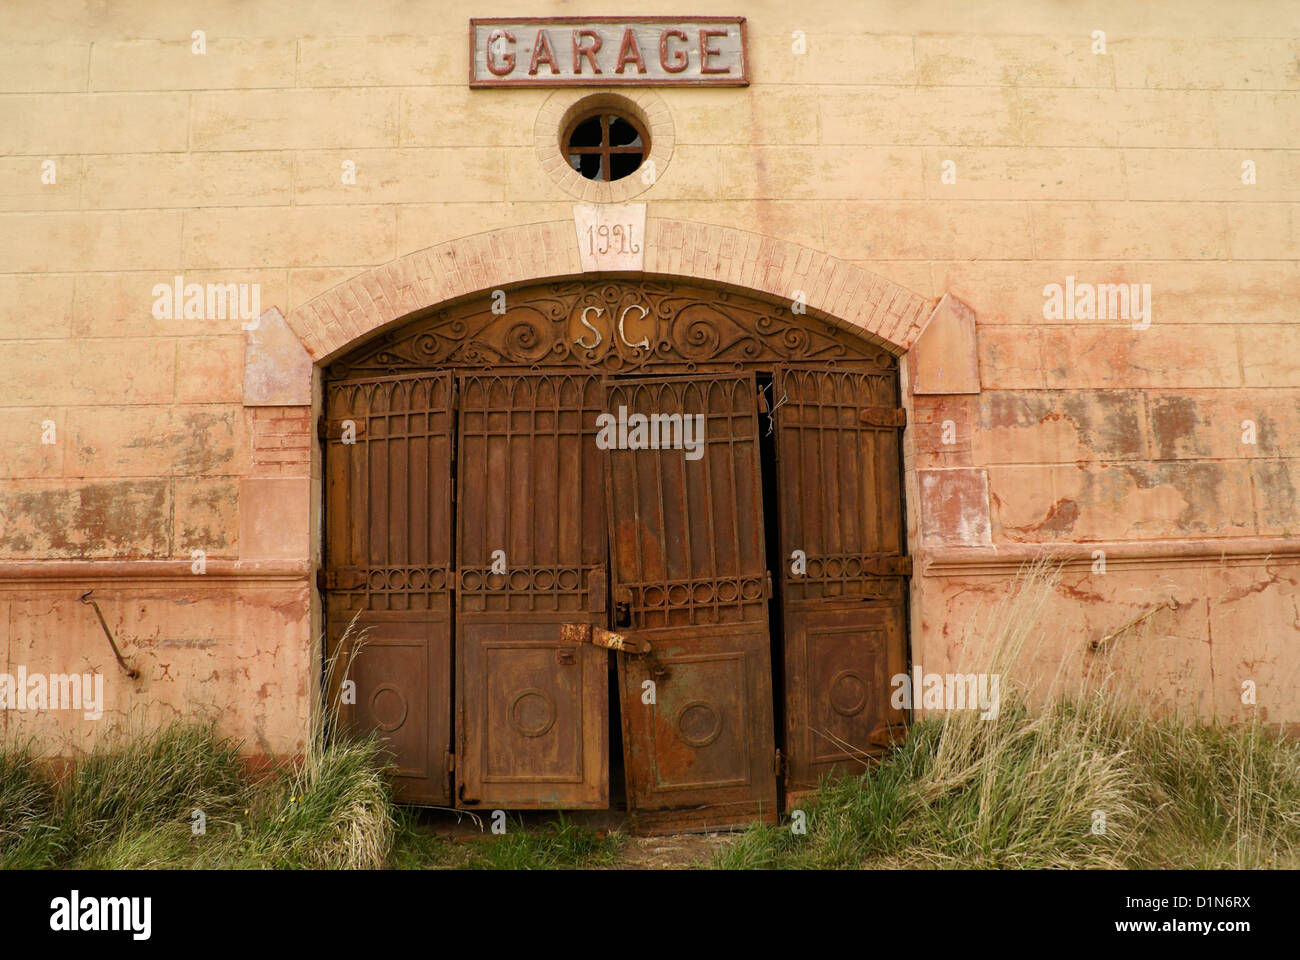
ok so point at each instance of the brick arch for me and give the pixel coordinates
(877, 309)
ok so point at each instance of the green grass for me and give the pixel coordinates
(558, 845)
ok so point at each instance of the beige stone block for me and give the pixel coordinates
(954, 116)
(1276, 485)
(229, 63)
(1010, 358)
(1069, 426)
(380, 61)
(67, 242)
(944, 358)
(277, 370)
(1024, 173)
(43, 67)
(72, 519)
(122, 304)
(1270, 355)
(34, 308)
(992, 61)
(1129, 118)
(274, 518)
(52, 124)
(796, 221)
(1143, 501)
(294, 119)
(1210, 63)
(1119, 356)
(1259, 231)
(1256, 120)
(954, 507)
(456, 116)
(154, 441)
(527, 180)
(1233, 292)
(926, 229)
(1211, 175)
(1211, 424)
(207, 517)
(765, 113)
(876, 58)
(24, 451)
(284, 237)
(818, 173)
(695, 173)
(400, 176)
(210, 369)
(425, 225)
(91, 371)
(188, 180)
(23, 183)
(1140, 231)
(1022, 505)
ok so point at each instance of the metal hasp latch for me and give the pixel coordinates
(589, 633)
(130, 671)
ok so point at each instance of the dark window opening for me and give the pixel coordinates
(605, 146)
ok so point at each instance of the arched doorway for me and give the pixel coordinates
(702, 478)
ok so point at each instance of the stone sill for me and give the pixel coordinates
(1006, 558)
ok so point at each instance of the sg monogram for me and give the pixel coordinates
(622, 333)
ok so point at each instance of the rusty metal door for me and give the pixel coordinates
(388, 469)
(843, 592)
(532, 706)
(689, 580)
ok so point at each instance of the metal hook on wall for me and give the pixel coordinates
(130, 672)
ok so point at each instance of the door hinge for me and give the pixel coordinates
(778, 762)
(883, 416)
(344, 578)
(451, 762)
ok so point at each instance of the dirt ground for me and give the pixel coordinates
(678, 852)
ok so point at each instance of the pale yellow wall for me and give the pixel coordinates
(226, 167)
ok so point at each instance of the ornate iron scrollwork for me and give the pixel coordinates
(613, 326)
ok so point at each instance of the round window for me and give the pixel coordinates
(605, 146)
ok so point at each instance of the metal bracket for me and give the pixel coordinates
(129, 671)
(600, 637)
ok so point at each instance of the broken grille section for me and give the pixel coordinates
(708, 564)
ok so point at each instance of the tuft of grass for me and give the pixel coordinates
(26, 812)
